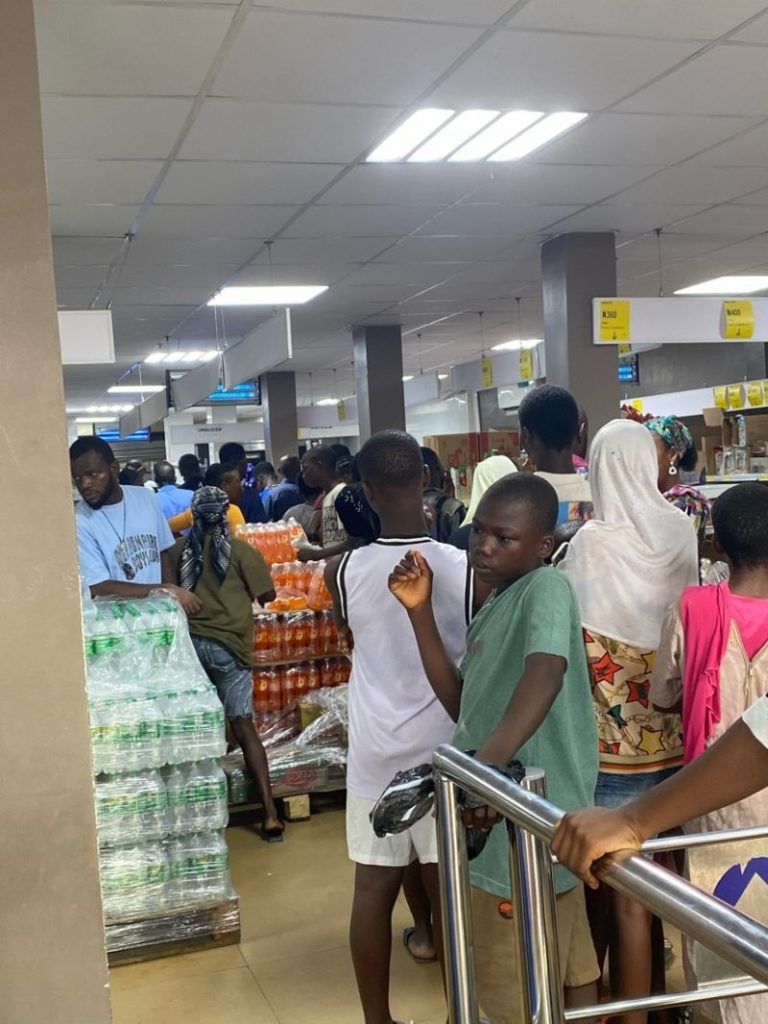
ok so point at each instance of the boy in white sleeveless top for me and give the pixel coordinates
(395, 720)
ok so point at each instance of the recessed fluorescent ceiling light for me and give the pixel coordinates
(108, 408)
(411, 133)
(279, 295)
(327, 401)
(743, 285)
(195, 356)
(136, 389)
(537, 136)
(443, 376)
(496, 135)
(452, 135)
(407, 377)
(516, 345)
(96, 419)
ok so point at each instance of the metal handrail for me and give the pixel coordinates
(738, 939)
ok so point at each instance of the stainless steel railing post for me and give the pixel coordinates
(458, 948)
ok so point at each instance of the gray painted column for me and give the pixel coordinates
(576, 268)
(281, 429)
(54, 967)
(379, 376)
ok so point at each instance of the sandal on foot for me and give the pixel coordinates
(408, 934)
(276, 834)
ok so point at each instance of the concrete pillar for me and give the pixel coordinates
(51, 935)
(575, 268)
(281, 428)
(379, 376)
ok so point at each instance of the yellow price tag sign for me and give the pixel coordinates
(615, 320)
(526, 364)
(755, 395)
(625, 350)
(638, 404)
(735, 396)
(487, 372)
(737, 320)
(720, 395)
(342, 410)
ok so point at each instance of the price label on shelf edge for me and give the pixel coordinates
(615, 320)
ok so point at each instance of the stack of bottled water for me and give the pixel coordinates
(157, 733)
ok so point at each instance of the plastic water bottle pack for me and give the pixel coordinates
(157, 734)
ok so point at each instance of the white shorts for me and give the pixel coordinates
(365, 847)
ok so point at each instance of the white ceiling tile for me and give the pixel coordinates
(257, 222)
(635, 218)
(81, 219)
(408, 183)
(81, 252)
(225, 181)
(106, 128)
(283, 58)
(684, 19)
(123, 50)
(525, 182)
(148, 275)
(750, 149)
(748, 251)
(730, 218)
(74, 298)
(192, 252)
(639, 139)
(550, 71)
(330, 249)
(675, 245)
(478, 12)
(438, 248)
(242, 130)
(325, 273)
(100, 181)
(693, 183)
(723, 80)
(159, 296)
(410, 275)
(492, 219)
(322, 221)
(79, 277)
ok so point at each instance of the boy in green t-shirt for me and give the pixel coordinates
(522, 691)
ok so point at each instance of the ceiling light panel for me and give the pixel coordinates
(136, 389)
(411, 133)
(539, 135)
(179, 357)
(278, 295)
(736, 285)
(452, 135)
(496, 134)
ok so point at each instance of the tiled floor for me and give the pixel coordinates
(292, 966)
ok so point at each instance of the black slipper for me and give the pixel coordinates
(407, 935)
(273, 835)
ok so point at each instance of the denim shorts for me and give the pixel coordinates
(233, 681)
(614, 789)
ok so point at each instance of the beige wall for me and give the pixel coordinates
(52, 962)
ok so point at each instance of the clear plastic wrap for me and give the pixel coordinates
(156, 935)
(312, 762)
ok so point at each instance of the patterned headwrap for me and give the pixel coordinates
(672, 432)
(209, 507)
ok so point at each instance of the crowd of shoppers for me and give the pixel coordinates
(573, 636)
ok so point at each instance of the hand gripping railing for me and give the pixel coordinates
(733, 936)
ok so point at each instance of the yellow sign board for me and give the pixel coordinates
(720, 395)
(625, 350)
(342, 410)
(526, 364)
(737, 320)
(487, 371)
(615, 320)
(638, 404)
(755, 393)
(735, 396)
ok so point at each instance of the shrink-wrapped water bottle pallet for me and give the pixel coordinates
(173, 932)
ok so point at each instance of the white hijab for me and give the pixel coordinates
(633, 560)
(494, 468)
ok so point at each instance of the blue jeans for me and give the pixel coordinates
(233, 681)
(615, 789)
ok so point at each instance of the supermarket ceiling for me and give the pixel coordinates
(200, 130)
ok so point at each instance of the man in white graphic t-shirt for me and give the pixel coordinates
(123, 539)
(395, 719)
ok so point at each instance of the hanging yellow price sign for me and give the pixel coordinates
(487, 372)
(735, 396)
(737, 319)
(755, 393)
(615, 320)
(720, 396)
(625, 350)
(526, 364)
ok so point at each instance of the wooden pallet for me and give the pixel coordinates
(171, 934)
